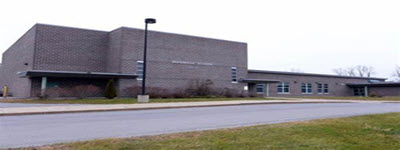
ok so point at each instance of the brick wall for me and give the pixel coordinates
(166, 50)
(337, 85)
(19, 57)
(70, 49)
(384, 91)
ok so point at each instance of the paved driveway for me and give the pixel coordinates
(18, 131)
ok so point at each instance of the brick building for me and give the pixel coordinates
(50, 56)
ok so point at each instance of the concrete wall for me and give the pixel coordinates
(19, 57)
(337, 85)
(384, 91)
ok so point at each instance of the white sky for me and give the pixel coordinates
(312, 35)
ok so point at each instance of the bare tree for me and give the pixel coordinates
(360, 71)
(345, 71)
(340, 71)
(365, 71)
(396, 74)
(296, 70)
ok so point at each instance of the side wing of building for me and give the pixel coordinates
(289, 84)
(18, 57)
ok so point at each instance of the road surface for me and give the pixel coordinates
(34, 130)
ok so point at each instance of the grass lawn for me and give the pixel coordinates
(357, 98)
(126, 100)
(381, 131)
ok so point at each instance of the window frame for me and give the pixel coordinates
(139, 75)
(263, 88)
(358, 91)
(307, 87)
(326, 88)
(282, 86)
(320, 88)
(234, 78)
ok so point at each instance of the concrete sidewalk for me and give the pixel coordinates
(119, 107)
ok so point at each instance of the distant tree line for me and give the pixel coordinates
(396, 74)
(365, 71)
(356, 71)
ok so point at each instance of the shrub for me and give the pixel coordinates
(200, 88)
(153, 92)
(374, 95)
(132, 91)
(157, 92)
(83, 91)
(227, 92)
(179, 93)
(110, 91)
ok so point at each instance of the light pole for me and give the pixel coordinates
(147, 21)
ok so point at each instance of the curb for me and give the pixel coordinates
(150, 108)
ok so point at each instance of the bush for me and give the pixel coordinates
(132, 91)
(197, 88)
(179, 93)
(200, 88)
(82, 91)
(156, 92)
(110, 91)
(153, 92)
(374, 95)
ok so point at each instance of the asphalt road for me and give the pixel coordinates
(33, 130)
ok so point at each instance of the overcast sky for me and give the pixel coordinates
(314, 36)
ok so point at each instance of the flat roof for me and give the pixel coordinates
(311, 74)
(379, 84)
(74, 74)
(124, 27)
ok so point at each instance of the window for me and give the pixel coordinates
(283, 87)
(260, 88)
(306, 88)
(319, 88)
(326, 88)
(359, 92)
(139, 70)
(234, 74)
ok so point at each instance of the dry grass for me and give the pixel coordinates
(381, 131)
(125, 100)
(357, 98)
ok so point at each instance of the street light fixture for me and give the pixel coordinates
(147, 21)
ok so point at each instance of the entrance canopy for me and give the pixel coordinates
(259, 80)
(74, 74)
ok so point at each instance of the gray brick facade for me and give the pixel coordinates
(174, 62)
(337, 86)
(17, 58)
(384, 91)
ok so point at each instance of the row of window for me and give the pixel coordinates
(306, 88)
